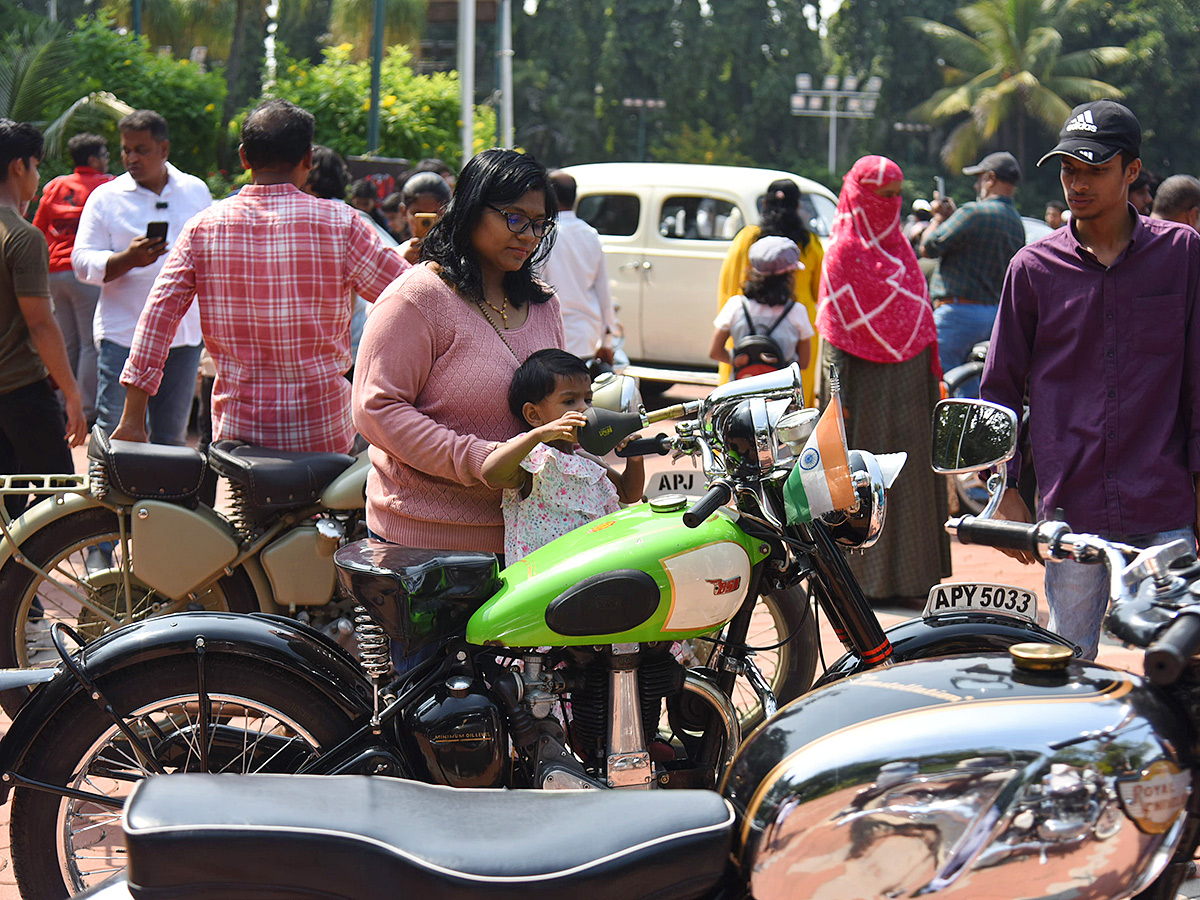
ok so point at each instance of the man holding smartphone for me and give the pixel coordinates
(972, 246)
(126, 228)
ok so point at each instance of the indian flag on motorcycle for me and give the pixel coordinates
(820, 481)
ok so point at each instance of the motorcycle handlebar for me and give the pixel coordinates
(718, 494)
(1168, 656)
(659, 445)
(995, 533)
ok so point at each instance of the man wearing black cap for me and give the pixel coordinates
(1099, 325)
(973, 246)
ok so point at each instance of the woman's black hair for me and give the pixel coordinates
(769, 290)
(425, 183)
(491, 178)
(537, 377)
(328, 176)
(781, 212)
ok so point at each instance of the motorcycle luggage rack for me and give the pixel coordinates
(53, 485)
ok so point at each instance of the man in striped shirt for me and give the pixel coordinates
(274, 272)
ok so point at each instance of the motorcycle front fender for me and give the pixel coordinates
(277, 641)
(949, 634)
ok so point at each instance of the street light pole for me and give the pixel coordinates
(376, 77)
(826, 102)
(639, 105)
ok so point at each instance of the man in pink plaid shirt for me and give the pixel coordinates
(274, 271)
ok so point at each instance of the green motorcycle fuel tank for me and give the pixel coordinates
(635, 576)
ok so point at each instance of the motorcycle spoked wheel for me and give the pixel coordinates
(262, 720)
(71, 551)
(788, 669)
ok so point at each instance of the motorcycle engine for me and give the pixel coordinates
(461, 734)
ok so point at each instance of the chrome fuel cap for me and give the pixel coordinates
(1033, 657)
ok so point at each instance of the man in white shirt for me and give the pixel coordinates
(576, 270)
(115, 249)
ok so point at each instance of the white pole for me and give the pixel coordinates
(466, 75)
(506, 81)
(833, 117)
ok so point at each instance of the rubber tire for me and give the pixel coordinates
(51, 542)
(59, 748)
(793, 615)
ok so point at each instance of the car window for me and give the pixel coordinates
(693, 218)
(818, 211)
(612, 214)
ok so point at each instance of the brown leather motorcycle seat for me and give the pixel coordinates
(276, 479)
(362, 838)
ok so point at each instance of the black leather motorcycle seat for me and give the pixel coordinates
(276, 479)
(362, 838)
(147, 471)
(419, 596)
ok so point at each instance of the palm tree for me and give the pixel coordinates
(31, 86)
(1007, 68)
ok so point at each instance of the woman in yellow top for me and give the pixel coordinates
(780, 216)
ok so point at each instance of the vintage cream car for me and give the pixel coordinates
(666, 229)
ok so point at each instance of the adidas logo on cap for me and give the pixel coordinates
(1085, 152)
(1082, 122)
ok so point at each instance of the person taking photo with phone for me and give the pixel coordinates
(972, 246)
(423, 199)
(127, 226)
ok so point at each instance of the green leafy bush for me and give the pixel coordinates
(419, 114)
(187, 97)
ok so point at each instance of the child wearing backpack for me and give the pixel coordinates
(770, 330)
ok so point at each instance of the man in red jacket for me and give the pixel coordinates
(58, 219)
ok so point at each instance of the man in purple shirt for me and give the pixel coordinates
(1099, 323)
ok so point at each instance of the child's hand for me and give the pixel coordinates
(621, 446)
(563, 429)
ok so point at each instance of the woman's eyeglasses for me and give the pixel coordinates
(518, 222)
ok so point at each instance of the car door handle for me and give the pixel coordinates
(635, 265)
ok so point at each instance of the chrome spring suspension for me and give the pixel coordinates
(98, 478)
(239, 511)
(374, 651)
(375, 655)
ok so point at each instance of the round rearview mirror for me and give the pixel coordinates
(970, 435)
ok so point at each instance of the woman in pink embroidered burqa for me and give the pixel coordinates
(876, 323)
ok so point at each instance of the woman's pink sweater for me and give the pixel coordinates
(431, 396)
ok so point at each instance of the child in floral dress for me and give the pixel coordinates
(551, 485)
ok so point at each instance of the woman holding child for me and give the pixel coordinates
(440, 350)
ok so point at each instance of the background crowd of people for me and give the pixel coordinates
(112, 292)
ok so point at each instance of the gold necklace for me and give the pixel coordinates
(502, 312)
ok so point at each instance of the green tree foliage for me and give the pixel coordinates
(31, 62)
(189, 99)
(1161, 80)
(352, 20)
(418, 113)
(724, 69)
(1007, 72)
(876, 37)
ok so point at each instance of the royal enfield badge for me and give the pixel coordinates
(1154, 797)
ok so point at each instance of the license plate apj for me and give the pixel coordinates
(1003, 599)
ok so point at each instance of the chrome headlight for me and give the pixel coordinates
(744, 429)
(859, 528)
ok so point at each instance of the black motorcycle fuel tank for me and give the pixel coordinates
(964, 777)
